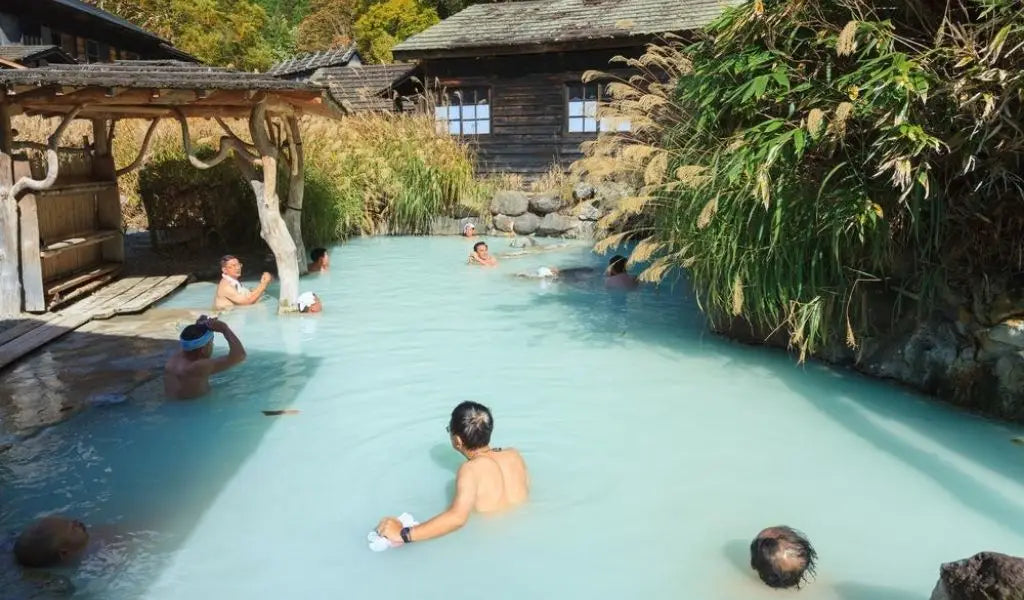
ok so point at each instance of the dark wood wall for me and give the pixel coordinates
(529, 124)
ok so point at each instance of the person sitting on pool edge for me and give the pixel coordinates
(231, 292)
(782, 557)
(187, 372)
(482, 256)
(308, 302)
(617, 277)
(491, 479)
(51, 541)
(321, 261)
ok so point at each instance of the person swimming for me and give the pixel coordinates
(571, 274)
(616, 276)
(482, 256)
(321, 260)
(308, 302)
(187, 372)
(782, 557)
(491, 479)
(51, 541)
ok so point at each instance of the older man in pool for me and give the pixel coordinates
(491, 479)
(231, 292)
(187, 372)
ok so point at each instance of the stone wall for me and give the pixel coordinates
(545, 214)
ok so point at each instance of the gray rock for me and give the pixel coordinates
(526, 223)
(445, 226)
(556, 224)
(609, 194)
(510, 203)
(1009, 332)
(589, 212)
(988, 575)
(585, 230)
(522, 242)
(544, 203)
(502, 223)
(582, 191)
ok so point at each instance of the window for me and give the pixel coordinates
(92, 51)
(466, 111)
(583, 100)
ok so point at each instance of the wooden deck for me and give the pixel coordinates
(127, 295)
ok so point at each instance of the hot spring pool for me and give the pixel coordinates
(656, 450)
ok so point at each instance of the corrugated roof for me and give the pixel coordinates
(364, 87)
(513, 27)
(19, 53)
(336, 57)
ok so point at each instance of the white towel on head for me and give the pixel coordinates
(380, 544)
(305, 300)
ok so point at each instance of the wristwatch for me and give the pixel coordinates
(405, 535)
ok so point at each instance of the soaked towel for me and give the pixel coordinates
(380, 544)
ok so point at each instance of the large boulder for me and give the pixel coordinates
(544, 203)
(585, 230)
(502, 223)
(582, 191)
(510, 203)
(556, 224)
(526, 223)
(588, 211)
(984, 576)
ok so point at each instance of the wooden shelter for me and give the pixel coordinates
(509, 75)
(60, 221)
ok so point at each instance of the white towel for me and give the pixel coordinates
(380, 544)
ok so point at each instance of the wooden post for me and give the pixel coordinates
(10, 282)
(296, 190)
(108, 202)
(272, 227)
(31, 262)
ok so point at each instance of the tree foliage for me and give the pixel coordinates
(328, 25)
(386, 24)
(807, 155)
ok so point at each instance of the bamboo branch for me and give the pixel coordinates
(52, 160)
(142, 152)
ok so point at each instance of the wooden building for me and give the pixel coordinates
(303, 66)
(374, 88)
(83, 31)
(509, 75)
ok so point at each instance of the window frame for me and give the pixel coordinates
(599, 125)
(451, 92)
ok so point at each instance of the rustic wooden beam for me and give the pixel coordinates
(10, 282)
(52, 162)
(142, 152)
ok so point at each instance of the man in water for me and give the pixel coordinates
(491, 479)
(617, 277)
(321, 262)
(469, 230)
(308, 302)
(782, 557)
(187, 373)
(231, 292)
(51, 541)
(482, 256)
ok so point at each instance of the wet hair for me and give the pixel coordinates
(769, 550)
(477, 245)
(473, 423)
(194, 332)
(41, 543)
(617, 264)
(317, 253)
(224, 260)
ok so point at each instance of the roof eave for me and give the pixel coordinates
(604, 43)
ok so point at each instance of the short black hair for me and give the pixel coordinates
(317, 253)
(617, 263)
(766, 552)
(473, 423)
(477, 245)
(194, 332)
(224, 260)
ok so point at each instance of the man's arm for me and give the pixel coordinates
(236, 352)
(444, 523)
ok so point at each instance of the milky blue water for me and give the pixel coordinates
(657, 451)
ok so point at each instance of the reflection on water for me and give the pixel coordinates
(656, 451)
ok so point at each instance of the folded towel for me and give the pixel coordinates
(380, 544)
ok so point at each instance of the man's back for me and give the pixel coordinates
(501, 479)
(184, 379)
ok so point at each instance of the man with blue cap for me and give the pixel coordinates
(187, 373)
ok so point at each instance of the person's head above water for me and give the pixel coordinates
(320, 258)
(197, 340)
(480, 248)
(617, 265)
(468, 229)
(470, 427)
(231, 266)
(51, 541)
(782, 557)
(308, 302)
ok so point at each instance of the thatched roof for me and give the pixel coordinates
(365, 87)
(308, 63)
(24, 54)
(146, 89)
(550, 25)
